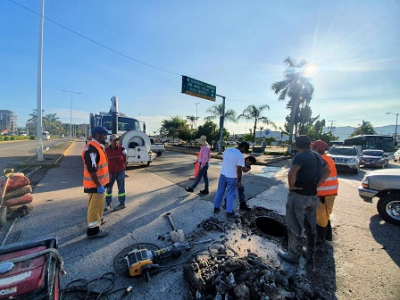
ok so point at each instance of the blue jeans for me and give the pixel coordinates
(120, 178)
(202, 173)
(230, 185)
(242, 197)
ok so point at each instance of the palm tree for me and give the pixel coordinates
(297, 88)
(216, 112)
(255, 113)
(192, 119)
(364, 128)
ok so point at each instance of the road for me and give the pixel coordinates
(14, 153)
(365, 252)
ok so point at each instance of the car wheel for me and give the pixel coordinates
(389, 208)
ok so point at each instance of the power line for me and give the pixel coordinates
(95, 42)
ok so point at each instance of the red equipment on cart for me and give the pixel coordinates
(30, 270)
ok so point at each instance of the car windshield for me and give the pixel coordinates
(343, 151)
(372, 153)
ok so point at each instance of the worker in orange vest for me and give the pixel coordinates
(95, 180)
(327, 193)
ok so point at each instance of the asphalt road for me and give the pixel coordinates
(14, 153)
(366, 250)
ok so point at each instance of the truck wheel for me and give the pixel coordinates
(159, 153)
(389, 208)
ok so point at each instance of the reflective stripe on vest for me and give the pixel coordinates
(102, 168)
(330, 186)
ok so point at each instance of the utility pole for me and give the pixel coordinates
(70, 112)
(332, 127)
(221, 124)
(196, 113)
(39, 112)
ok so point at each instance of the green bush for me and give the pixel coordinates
(6, 138)
(32, 137)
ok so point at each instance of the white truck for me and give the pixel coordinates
(157, 148)
(132, 138)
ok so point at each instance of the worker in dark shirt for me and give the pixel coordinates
(95, 180)
(116, 155)
(307, 172)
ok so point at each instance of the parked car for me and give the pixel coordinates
(396, 155)
(157, 148)
(345, 158)
(385, 185)
(374, 158)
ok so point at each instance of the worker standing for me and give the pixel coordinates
(116, 155)
(95, 179)
(327, 193)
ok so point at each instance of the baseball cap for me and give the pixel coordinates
(245, 146)
(303, 141)
(114, 137)
(99, 130)
(320, 145)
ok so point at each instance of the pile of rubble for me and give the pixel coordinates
(224, 275)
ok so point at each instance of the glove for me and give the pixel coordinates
(101, 189)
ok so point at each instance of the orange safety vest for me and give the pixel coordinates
(102, 168)
(330, 186)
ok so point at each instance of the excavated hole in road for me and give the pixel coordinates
(222, 275)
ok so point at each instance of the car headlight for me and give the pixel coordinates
(365, 183)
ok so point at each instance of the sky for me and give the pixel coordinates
(138, 51)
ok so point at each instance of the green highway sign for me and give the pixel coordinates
(198, 88)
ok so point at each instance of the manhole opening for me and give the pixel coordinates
(271, 226)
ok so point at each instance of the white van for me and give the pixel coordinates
(45, 135)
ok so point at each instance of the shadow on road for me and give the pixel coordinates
(388, 236)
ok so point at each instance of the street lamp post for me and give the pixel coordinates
(70, 112)
(395, 128)
(196, 113)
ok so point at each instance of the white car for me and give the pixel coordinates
(396, 155)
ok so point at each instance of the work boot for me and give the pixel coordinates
(243, 206)
(293, 254)
(189, 189)
(233, 215)
(321, 234)
(119, 207)
(328, 236)
(107, 207)
(204, 192)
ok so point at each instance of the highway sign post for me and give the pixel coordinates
(197, 88)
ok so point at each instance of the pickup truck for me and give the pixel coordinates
(157, 148)
(384, 184)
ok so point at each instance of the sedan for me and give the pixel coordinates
(373, 158)
(396, 155)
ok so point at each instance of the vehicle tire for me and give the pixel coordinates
(389, 208)
(159, 153)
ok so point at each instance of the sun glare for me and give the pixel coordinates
(310, 69)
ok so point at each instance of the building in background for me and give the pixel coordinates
(8, 122)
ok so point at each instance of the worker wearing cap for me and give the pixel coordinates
(327, 193)
(95, 179)
(307, 172)
(116, 155)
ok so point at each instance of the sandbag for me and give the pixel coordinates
(27, 198)
(29, 207)
(17, 180)
(18, 192)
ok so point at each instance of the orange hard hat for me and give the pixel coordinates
(320, 145)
